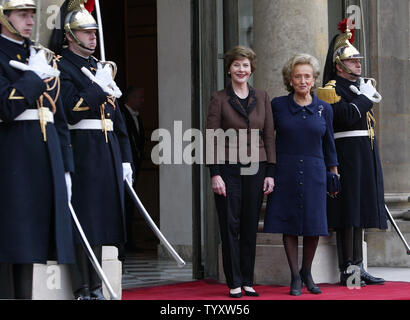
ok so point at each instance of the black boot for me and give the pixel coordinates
(97, 294)
(82, 294)
(368, 278)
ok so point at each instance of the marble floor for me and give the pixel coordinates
(141, 270)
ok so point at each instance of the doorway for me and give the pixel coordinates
(130, 32)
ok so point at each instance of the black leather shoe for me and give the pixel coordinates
(308, 281)
(82, 294)
(250, 293)
(296, 286)
(97, 294)
(369, 279)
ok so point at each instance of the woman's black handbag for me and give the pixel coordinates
(333, 182)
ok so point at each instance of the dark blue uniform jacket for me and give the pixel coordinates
(35, 222)
(98, 187)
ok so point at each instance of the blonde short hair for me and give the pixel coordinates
(300, 58)
(240, 53)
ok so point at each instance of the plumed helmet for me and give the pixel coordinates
(341, 48)
(19, 5)
(14, 5)
(78, 18)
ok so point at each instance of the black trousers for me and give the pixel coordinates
(16, 281)
(349, 246)
(83, 274)
(238, 215)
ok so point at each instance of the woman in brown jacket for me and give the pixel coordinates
(241, 166)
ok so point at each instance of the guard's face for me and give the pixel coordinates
(240, 71)
(354, 65)
(302, 79)
(88, 38)
(22, 21)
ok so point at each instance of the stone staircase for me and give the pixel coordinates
(385, 247)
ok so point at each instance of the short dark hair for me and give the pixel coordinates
(239, 53)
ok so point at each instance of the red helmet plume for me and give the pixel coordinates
(89, 5)
(342, 26)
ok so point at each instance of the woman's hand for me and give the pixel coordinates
(218, 186)
(334, 170)
(268, 185)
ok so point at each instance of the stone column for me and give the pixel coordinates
(174, 103)
(390, 66)
(283, 28)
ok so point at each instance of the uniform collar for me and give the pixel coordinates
(79, 60)
(21, 42)
(295, 108)
(346, 82)
(15, 51)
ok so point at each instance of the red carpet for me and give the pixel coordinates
(213, 290)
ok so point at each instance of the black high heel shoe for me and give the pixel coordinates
(235, 295)
(296, 286)
(308, 281)
(250, 293)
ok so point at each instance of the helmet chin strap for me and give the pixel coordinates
(74, 37)
(346, 69)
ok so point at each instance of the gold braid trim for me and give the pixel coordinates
(371, 124)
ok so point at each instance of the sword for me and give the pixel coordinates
(91, 254)
(100, 30)
(38, 23)
(398, 230)
(152, 224)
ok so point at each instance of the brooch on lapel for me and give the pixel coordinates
(320, 110)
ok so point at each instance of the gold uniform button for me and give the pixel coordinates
(108, 114)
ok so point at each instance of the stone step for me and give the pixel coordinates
(386, 249)
(398, 204)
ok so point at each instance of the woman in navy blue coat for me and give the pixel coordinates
(305, 149)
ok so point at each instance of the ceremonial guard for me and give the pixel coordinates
(35, 156)
(360, 204)
(101, 148)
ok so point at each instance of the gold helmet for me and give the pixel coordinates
(14, 5)
(344, 50)
(78, 18)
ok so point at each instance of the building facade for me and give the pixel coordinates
(174, 49)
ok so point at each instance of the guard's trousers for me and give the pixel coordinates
(349, 246)
(83, 274)
(16, 281)
(238, 215)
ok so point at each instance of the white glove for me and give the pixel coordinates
(367, 89)
(127, 171)
(38, 64)
(103, 77)
(68, 184)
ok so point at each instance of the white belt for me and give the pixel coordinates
(33, 114)
(354, 133)
(93, 124)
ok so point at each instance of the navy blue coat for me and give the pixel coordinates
(98, 187)
(361, 201)
(34, 216)
(304, 148)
